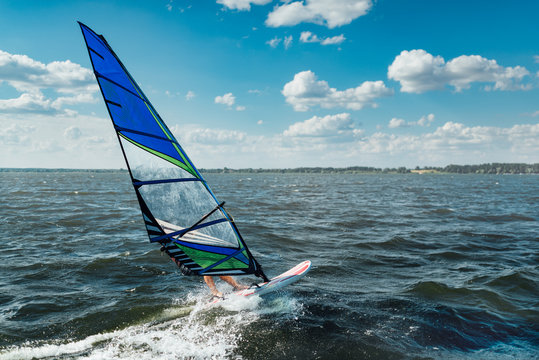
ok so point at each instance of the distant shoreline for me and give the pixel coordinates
(493, 168)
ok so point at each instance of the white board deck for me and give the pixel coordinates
(276, 283)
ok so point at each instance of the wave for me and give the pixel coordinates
(486, 235)
(497, 218)
(447, 255)
(517, 283)
(482, 297)
(441, 211)
(397, 243)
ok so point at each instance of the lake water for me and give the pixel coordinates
(404, 266)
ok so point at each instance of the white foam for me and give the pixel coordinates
(187, 329)
(240, 303)
(180, 331)
(185, 337)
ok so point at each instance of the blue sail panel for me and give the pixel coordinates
(104, 62)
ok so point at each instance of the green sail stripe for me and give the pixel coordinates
(172, 139)
(161, 155)
(164, 129)
(202, 258)
(205, 259)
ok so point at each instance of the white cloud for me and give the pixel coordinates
(320, 141)
(227, 99)
(457, 136)
(305, 91)
(323, 12)
(274, 42)
(260, 122)
(426, 120)
(333, 141)
(401, 123)
(203, 136)
(72, 133)
(241, 4)
(330, 125)
(73, 100)
(16, 134)
(309, 37)
(287, 42)
(335, 40)
(418, 71)
(536, 59)
(396, 123)
(58, 140)
(35, 102)
(28, 103)
(30, 77)
(453, 143)
(190, 95)
(464, 70)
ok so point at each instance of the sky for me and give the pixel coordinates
(278, 84)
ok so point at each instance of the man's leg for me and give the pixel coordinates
(231, 281)
(211, 284)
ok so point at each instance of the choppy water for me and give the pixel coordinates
(404, 266)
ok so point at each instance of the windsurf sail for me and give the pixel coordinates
(180, 211)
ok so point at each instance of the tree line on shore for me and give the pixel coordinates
(491, 168)
(494, 168)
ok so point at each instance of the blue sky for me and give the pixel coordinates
(270, 84)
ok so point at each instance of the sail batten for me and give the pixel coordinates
(164, 181)
(179, 210)
(95, 52)
(99, 75)
(181, 233)
(123, 129)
